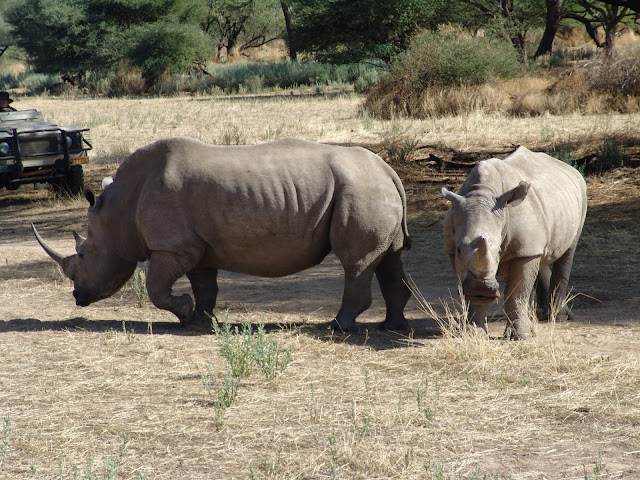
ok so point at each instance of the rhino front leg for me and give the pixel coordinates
(204, 283)
(477, 317)
(522, 276)
(396, 293)
(164, 269)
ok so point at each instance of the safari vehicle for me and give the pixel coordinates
(35, 151)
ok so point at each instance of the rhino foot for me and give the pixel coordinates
(514, 333)
(400, 324)
(345, 328)
(480, 331)
(201, 322)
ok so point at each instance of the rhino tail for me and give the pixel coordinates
(403, 196)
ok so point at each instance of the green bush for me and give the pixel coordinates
(439, 74)
(452, 59)
(254, 77)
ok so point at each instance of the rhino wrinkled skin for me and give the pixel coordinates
(512, 219)
(268, 210)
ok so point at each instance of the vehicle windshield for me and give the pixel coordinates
(21, 115)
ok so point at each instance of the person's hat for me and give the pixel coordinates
(5, 96)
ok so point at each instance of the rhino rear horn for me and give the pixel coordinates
(79, 240)
(64, 262)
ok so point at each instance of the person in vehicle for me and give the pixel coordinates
(5, 101)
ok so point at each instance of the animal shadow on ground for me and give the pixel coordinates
(368, 334)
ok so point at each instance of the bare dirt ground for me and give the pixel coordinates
(78, 385)
(603, 278)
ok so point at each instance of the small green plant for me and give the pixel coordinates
(243, 349)
(232, 136)
(421, 398)
(131, 334)
(139, 285)
(223, 394)
(360, 428)
(6, 438)
(368, 120)
(598, 470)
(236, 346)
(333, 461)
(402, 151)
(271, 360)
(610, 154)
(112, 464)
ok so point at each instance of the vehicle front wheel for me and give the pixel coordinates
(72, 183)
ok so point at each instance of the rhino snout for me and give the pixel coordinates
(83, 297)
(480, 291)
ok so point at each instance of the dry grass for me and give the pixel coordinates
(591, 85)
(369, 405)
(345, 408)
(121, 126)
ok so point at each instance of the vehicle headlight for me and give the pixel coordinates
(4, 148)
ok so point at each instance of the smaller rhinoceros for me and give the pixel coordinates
(512, 219)
(268, 210)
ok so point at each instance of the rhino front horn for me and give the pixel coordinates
(59, 259)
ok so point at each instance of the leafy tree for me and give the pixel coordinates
(596, 15)
(53, 33)
(553, 18)
(344, 31)
(236, 24)
(164, 47)
(100, 35)
(511, 19)
(286, 12)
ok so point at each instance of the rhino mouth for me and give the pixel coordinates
(483, 299)
(84, 298)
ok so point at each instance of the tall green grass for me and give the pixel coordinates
(229, 78)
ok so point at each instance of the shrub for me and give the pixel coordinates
(434, 65)
(253, 77)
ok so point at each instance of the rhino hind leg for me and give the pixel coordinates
(558, 285)
(204, 284)
(356, 298)
(543, 293)
(396, 293)
(164, 269)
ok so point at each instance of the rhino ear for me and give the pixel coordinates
(94, 202)
(90, 196)
(454, 198)
(513, 197)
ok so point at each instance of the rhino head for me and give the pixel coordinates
(474, 245)
(97, 271)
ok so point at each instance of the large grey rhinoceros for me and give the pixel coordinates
(512, 219)
(268, 210)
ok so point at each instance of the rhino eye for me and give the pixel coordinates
(458, 250)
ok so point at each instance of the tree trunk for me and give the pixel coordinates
(554, 15)
(293, 55)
